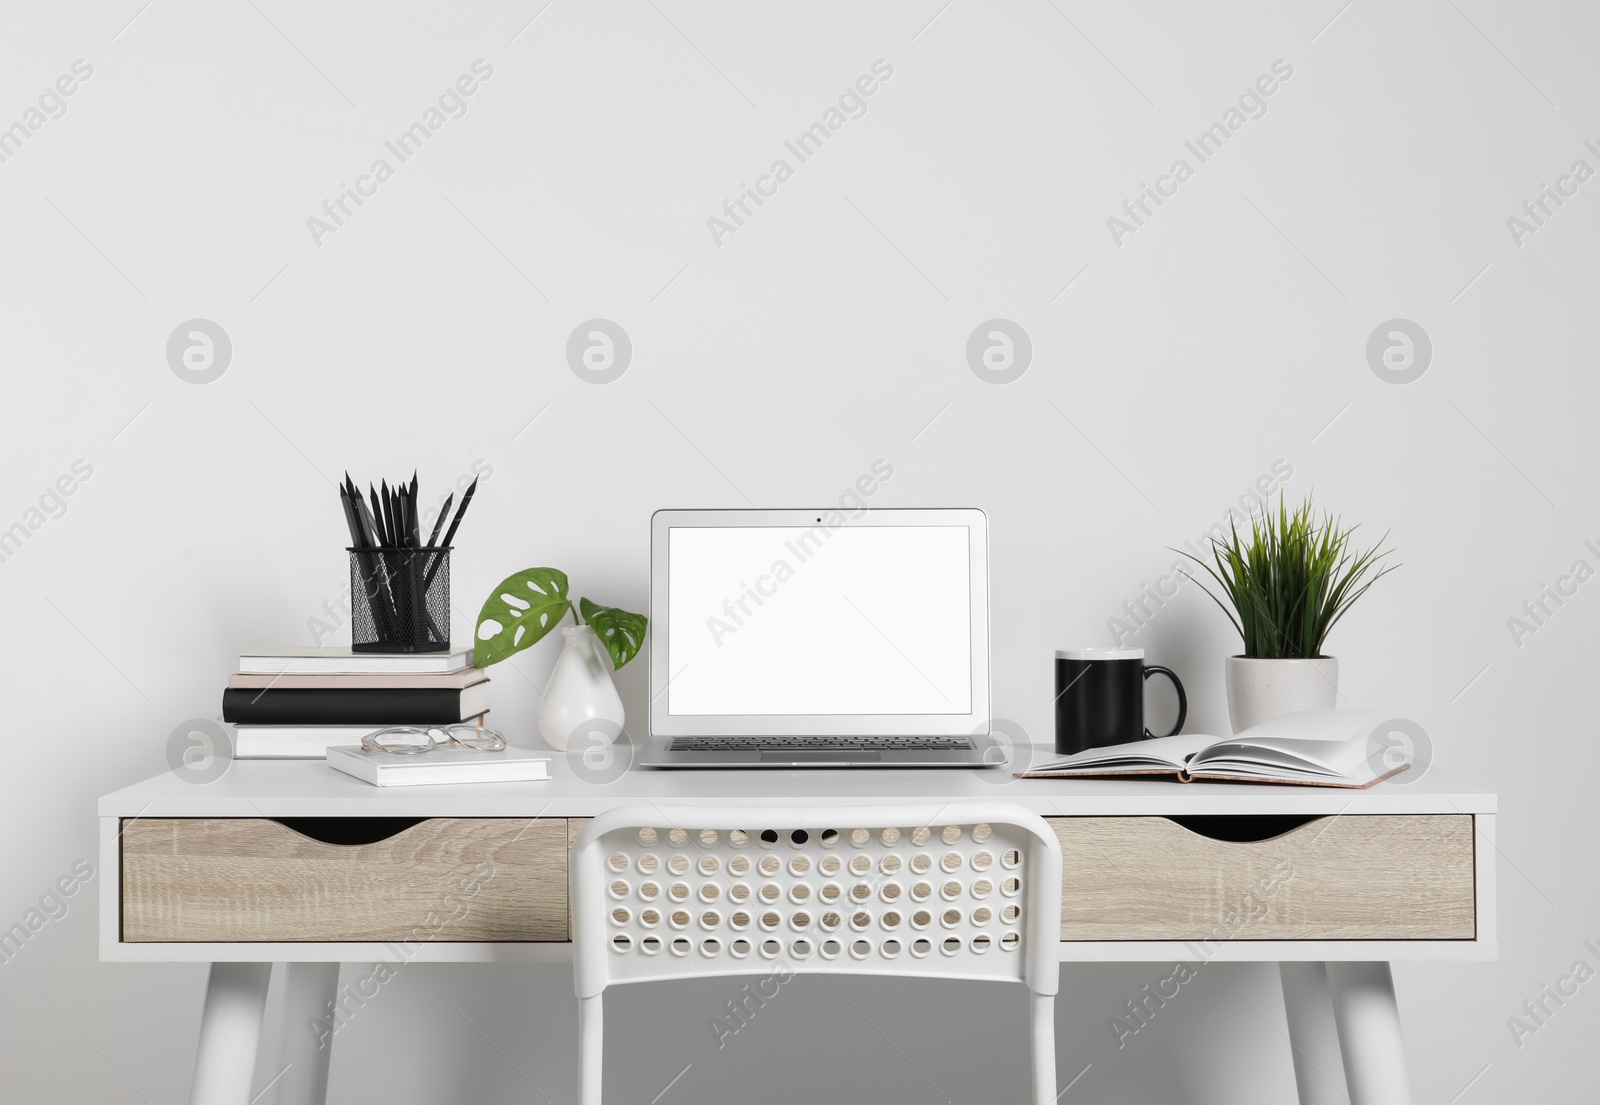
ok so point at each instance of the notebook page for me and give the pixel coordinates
(1158, 752)
(1334, 759)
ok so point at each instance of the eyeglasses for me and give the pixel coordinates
(410, 740)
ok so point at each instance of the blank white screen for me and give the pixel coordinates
(865, 620)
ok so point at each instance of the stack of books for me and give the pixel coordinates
(294, 703)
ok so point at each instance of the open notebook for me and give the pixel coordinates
(1318, 748)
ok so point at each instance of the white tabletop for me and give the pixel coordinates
(309, 788)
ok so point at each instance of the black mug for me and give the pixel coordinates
(1100, 697)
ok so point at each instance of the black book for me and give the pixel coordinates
(354, 705)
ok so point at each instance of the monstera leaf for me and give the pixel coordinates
(621, 632)
(518, 613)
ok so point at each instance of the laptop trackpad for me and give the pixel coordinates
(817, 756)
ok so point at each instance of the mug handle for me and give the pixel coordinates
(1183, 700)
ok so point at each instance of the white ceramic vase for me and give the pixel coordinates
(1260, 690)
(581, 708)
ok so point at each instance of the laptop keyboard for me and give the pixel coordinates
(822, 744)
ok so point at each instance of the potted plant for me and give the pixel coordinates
(1287, 585)
(581, 709)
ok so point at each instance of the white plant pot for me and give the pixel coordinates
(581, 708)
(1260, 690)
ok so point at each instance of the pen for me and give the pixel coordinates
(411, 512)
(461, 511)
(438, 557)
(438, 525)
(389, 530)
(376, 515)
(375, 580)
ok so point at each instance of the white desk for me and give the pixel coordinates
(200, 873)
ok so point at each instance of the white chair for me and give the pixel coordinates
(969, 891)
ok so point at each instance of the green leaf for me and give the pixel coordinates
(621, 632)
(1292, 581)
(518, 613)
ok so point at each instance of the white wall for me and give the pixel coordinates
(1227, 333)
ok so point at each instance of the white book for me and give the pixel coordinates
(302, 742)
(311, 659)
(294, 742)
(1320, 748)
(441, 765)
(459, 679)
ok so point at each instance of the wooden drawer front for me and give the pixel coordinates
(244, 879)
(1335, 878)
(574, 827)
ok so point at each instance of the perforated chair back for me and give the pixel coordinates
(969, 891)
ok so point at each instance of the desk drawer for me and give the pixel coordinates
(1377, 877)
(249, 879)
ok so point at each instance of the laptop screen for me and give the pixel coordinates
(791, 620)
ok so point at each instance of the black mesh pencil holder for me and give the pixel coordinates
(400, 600)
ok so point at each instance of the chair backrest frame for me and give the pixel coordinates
(613, 835)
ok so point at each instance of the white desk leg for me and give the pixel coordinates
(1312, 1036)
(1369, 1033)
(307, 1042)
(230, 1031)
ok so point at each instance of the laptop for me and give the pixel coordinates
(819, 638)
